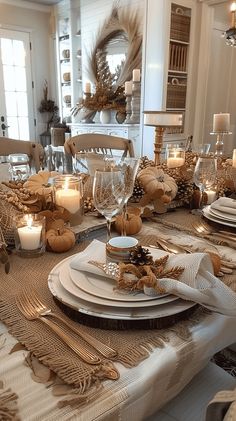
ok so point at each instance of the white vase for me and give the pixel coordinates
(105, 116)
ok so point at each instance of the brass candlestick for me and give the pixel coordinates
(161, 120)
(158, 142)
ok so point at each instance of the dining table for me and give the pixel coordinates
(42, 379)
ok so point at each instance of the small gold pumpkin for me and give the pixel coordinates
(132, 224)
(60, 240)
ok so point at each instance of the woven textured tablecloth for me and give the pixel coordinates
(133, 346)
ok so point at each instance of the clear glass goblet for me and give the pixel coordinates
(108, 194)
(129, 167)
(204, 175)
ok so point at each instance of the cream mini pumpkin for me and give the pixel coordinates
(38, 183)
(60, 240)
(157, 183)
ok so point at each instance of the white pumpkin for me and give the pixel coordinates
(154, 180)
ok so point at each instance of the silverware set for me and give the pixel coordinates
(33, 308)
(226, 266)
(209, 233)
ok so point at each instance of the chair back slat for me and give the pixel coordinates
(99, 143)
(34, 150)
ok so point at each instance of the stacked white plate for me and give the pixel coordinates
(222, 211)
(96, 296)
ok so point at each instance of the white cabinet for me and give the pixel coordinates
(69, 57)
(170, 60)
(128, 131)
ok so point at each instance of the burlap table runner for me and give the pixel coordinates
(132, 346)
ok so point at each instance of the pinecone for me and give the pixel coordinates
(141, 256)
(145, 162)
(138, 192)
(185, 191)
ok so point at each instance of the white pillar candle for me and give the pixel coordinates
(234, 158)
(87, 88)
(175, 157)
(30, 236)
(221, 122)
(175, 162)
(211, 196)
(128, 87)
(68, 199)
(136, 75)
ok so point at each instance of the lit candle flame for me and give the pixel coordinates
(66, 184)
(29, 220)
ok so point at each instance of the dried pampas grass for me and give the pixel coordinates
(122, 23)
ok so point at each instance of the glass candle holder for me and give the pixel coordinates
(68, 194)
(19, 168)
(29, 233)
(175, 157)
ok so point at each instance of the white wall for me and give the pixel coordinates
(37, 23)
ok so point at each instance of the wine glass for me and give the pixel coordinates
(108, 194)
(129, 166)
(204, 175)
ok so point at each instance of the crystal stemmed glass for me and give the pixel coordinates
(108, 194)
(204, 174)
(129, 167)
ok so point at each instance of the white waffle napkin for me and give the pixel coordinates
(225, 205)
(197, 283)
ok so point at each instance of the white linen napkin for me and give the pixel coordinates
(225, 205)
(197, 283)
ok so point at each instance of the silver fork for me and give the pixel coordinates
(43, 310)
(31, 313)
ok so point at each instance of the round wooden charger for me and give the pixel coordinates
(111, 324)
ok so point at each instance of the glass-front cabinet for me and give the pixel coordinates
(69, 58)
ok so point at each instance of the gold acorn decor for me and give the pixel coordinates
(88, 204)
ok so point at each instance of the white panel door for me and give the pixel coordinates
(16, 99)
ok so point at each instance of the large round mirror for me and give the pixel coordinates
(116, 52)
(120, 39)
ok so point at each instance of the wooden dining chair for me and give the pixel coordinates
(34, 150)
(99, 143)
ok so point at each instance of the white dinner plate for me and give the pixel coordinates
(117, 313)
(221, 215)
(69, 286)
(209, 216)
(104, 287)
